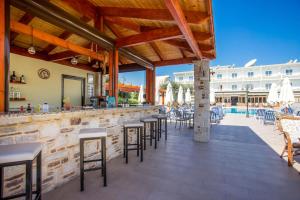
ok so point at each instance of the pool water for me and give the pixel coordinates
(235, 110)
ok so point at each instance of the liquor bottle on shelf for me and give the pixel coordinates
(45, 107)
(28, 109)
(13, 77)
(22, 79)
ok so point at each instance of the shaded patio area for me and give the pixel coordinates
(237, 163)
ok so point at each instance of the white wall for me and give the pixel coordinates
(37, 90)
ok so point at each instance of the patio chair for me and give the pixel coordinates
(298, 113)
(214, 117)
(179, 117)
(289, 126)
(260, 114)
(269, 117)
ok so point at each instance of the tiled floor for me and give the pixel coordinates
(240, 162)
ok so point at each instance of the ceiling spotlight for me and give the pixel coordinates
(31, 50)
(74, 61)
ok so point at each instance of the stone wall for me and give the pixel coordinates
(59, 134)
(202, 104)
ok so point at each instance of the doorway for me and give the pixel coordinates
(234, 100)
(73, 87)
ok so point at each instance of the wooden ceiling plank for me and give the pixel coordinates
(149, 36)
(156, 50)
(25, 29)
(178, 15)
(124, 23)
(175, 61)
(83, 7)
(151, 14)
(25, 19)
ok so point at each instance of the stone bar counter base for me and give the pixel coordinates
(58, 132)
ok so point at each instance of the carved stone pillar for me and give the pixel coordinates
(202, 105)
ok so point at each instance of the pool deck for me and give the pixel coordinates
(240, 162)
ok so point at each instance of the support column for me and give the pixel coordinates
(150, 86)
(116, 75)
(202, 105)
(113, 74)
(4, 54)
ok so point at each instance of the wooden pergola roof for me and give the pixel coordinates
(165, 32)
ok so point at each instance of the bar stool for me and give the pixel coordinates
(153, 129)
(92, 134)
(22, 154)
(162, 118)
(139, 141)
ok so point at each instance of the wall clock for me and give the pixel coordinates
(44, 73)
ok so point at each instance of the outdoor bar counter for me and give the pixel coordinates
(58, 132)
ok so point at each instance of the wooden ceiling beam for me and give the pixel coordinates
(156, 50)
(124, 23)
(83, 7)
(151, 14)
(184, 45)
(25, 29)
(62, 55)
(175, 62)
(177, 13)
(25, 19)
(43, 56)
(149, 36)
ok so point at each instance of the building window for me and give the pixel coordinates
(268, 86)
(250, 74)
(289, 72)
(191, 78)
(234, 87)
(249, 86)
(268, 73)
(219, 76)
(90, 85)
(180, 78)
(234, 75)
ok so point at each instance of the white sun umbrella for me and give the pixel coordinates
(212, 96)
(169, 95)
(141, 95)
(188, 98)
(273, 94)
(286, 92)
(180, 99)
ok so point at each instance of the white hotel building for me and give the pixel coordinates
(230, 82)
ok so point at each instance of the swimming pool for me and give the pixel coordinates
(235, 110)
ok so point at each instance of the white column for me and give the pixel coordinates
(202, 105)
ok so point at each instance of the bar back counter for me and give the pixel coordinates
(58, 132)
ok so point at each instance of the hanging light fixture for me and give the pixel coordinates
(31, 50)
(74, 61)
(96, 64)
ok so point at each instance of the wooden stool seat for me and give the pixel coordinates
(92, 133)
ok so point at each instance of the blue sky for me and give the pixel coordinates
(268, 30)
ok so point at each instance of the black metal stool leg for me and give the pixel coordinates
(1, 181)
(126, 145)
(124, 142)
(138, 141)
(28, 180)
(166, 129)
(156, 135)
(103, 149)
(151, 133)
(39, 176)
(141, 142)
(144, 136)
(81, 164)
